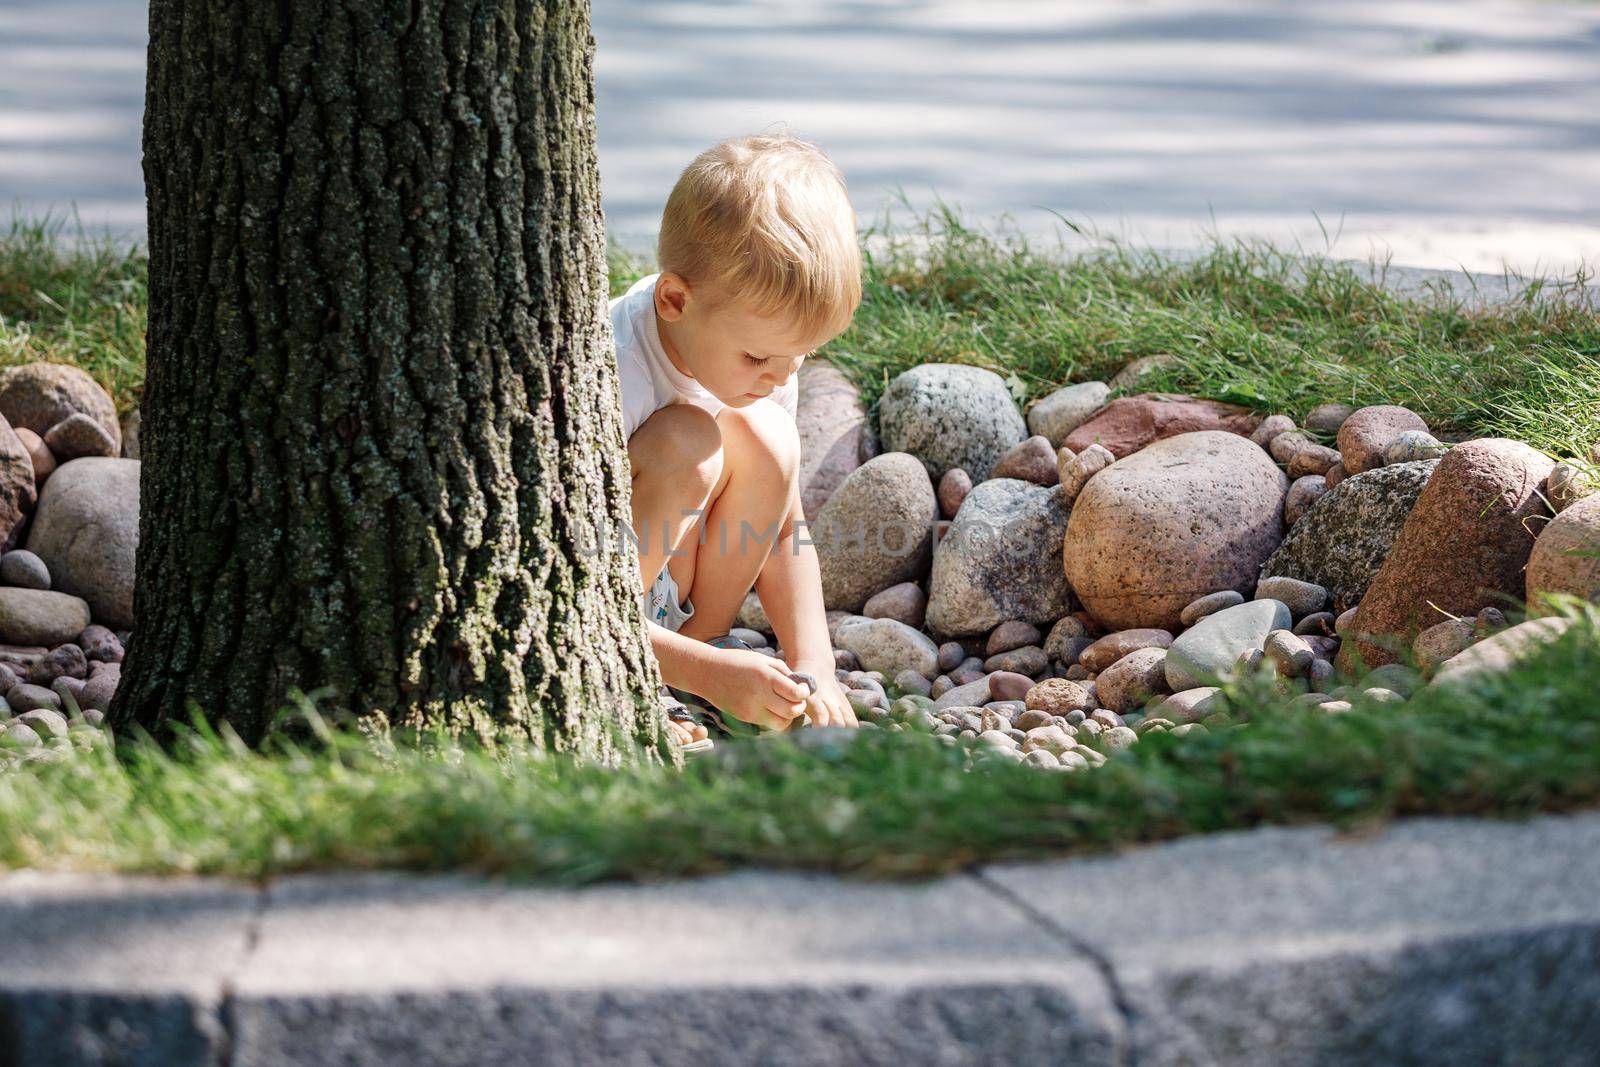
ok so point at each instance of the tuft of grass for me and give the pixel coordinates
(69, 296)
(886, 805)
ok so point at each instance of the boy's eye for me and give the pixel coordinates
(758, 362)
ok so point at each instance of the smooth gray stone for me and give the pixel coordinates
(1206, 651)
(1438, 941)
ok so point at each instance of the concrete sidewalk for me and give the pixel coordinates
(1434, 941)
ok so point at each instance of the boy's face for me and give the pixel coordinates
(736, 356)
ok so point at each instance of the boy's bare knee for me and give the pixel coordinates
(764, 436)
(680, 442)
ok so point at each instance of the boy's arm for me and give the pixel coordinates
(790, 588)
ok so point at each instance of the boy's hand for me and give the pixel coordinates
(756, 689)
(828, 706)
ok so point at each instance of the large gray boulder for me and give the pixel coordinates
(1208, 650)
(876, 530)
(1000, 560)
(949, 415)
(86, 529)
(1344, 537)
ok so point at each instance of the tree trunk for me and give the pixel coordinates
(383, 447)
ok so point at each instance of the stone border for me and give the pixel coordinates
(1431, 941)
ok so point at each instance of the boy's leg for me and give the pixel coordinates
(676, 456)
(677, 461)
(760, 464)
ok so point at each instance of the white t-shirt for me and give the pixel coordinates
(649, 380)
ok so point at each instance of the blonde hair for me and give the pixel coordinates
(767, 220)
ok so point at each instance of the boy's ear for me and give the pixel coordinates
(672, 296)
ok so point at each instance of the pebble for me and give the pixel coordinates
(951, 655)
(26, 697)
(1032, 460)
(867, 698)
(1107, 718)
(753, 638)
(1334, 707)
(1052, 739)
(994, 719)
(1076, 472)
(1327, 418)
(1441, 641)
(904, 602)
(1335, 475)
(46, 722)
(1380, 695)
(1412, 447)
(44, 463)
(1153, 725)
(1192, 704)
(1210, 604)
(1323, 646)
(1009, 685)
(23, 568)
(1288, 653)
(1286, 446)
(1303, 492)
(1033, 718)
(1015, 735)
(1012, 635)
(909, 681)
(1120, 737)
(64, 660)
(1133, 679)
(1367, 434)
(1394, 676)
(1302, 598)
(1058, 696)
(79, 435)
(1320, 674)
(1112, 647)
(845, 660)
(1075, 716)
(19, 735)
(1565, 487)
(1342, 624)
(1490, 621)
(954, 485)
(1271, 427)
(1313, 461)
(1075, 760)
(970, 671)
(1029, 660)
(1040, 757)
(1076, 673)
(1189, 728)
(1320, 623)
(996, 739)
(941, 685)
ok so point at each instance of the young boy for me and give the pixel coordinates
(759, 266)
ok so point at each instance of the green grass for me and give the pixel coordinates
(67, 296)
(1274, 331)
(890, 804)
(1247, 323)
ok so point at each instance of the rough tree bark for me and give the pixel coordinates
(382, 443)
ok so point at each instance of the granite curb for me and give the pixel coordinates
(1428, 941)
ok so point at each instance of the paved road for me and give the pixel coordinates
(1445, 132)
